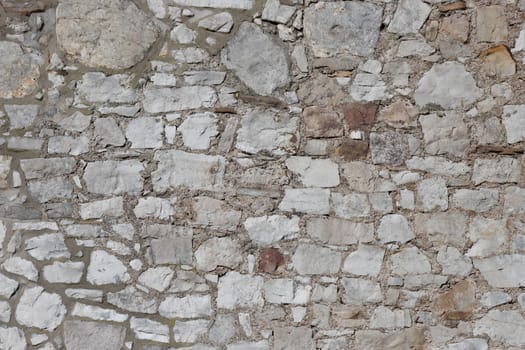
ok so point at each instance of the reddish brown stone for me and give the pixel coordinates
(352, 150)
(270, 259)
(359, 115)
(458, 303)
(322, 122)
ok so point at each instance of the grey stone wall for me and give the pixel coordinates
(252, 175)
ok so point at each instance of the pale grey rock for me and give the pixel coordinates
(468, 344)
(163, 79)
(279, 291)
(315, 172)
(204, 77)
(289, 338)
(307, 200)
(418, 282)
(158, 7)
(19, 71)
(198, 130)
(447, 85)
(491, 24)
(111, 207)
(231, 4)
(63, 272)
(310, 259)
(195, 171)
(5, 314)
(88, 335)
(359, 291)
(502, 326)
(342, 27)
(387, 148)
(47, 247)
(162, 100)
(50, 189)
(105, 268)
(406, 199)
(218, 251)
(21, 116)
(215, 214)
(275, 12)
(85, 231)
(37, 168)
(264, 131)
(108, 132)
(381, 202)
(12, 338)
(448, 227)
(97, 313)
(256, 59)
(132, 33)
(498, 170)
(189, 306)
(453, 262)
(410, 260)
(266, 230)
(8, 286)
(220, 22)
(409, 16)
(96, 87)
(336, 231)
(368, 87)
(24, 143)
(438, 166)
(386, 318)
(236, 290)
(394, 228)
(481, 200)
(135, 132)
(492, 299)
(72, 145)
(114, 177)
(222, 329)
(189, 331)
(133, 300)
(158, 278)
(351, 205)
(88, 294)
(365, 261)
(432, 194)
(503, 271)
(22, 267)
(414, 47)
(171, 244)
(182, 34)
(445, 135)
(150, 330)
(159, 208)
(513, 117)
(514, 200)
(5, 167)
(260, 345)
(489, 131)
(40, 309)
(299, 56)
(190, 55)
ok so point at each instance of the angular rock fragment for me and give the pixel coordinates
(21, 116)
(359, 291)
(96, 87)
(198, 130)
(498, 62)
(221, 22)
(310, 259)
(232, 4)
(503, 271)
(114, 177)
(502, 326)
(365, 261)
(387, 148)
(40, 309)
(22, 267)
(162, 100)
(315, 172)
(394, 228)
(150, 330)
(497, 170)
(108, 133)
(293, 337)
(513, 116)
(12, 338)
(90, 335)
(240, 291)
(190, 306)
(105, 268)
(133, 300)
(322, 122)
(409, 16)
(445, 135)
(216, 252)
(266, 230)
(139, 139)
(215, 214)
(63, 272)
(491, 24)
(308, 200)
(19, 71)
(274, 11)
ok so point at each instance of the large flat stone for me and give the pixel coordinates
(19, 71)
(87, 335)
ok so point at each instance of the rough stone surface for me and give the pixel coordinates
(19, 70)
(40, 309)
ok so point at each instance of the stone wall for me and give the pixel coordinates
(251, 174)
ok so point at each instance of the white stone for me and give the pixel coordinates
(47, 246)
(307, 200)
(150, 330)
(88, 294)
(12, 338)
(394, 228)
(215, 214)
(5, 313)
(311, 259)
(93, 335)
(498, 170)
(97, 313)
(8, 286)
(260, 345)
(19, 71)
(275, 12)
(192, 55)
(96, 87)
(182, 34)
(216, 252)
(161, 100)
(279, 291)
(198, 130)
(361, 291)
(389, 319)
(135, 132)
(351, 205)
(189, 306)
(365, 261)
(492, 299)
(221, 22)
(240, 291)
(63, 272)
(40, 309)
(415, 47)
(204, 78)
(232, 4)
(134, 300)
(159, 208)
(503, 271)
(21, 116)
(105, 268)
(22, 267)
(263, 131)
(111, 207)
(453, 262)
(368, 87)
(513, 120)
(502, 326)
(480, 200)
(266, 230)
(432, 194)
(158, 278)
(336, 231)
(114, 177)
(410, 260)
(189, 331)
(315, 172)
(409, 16)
